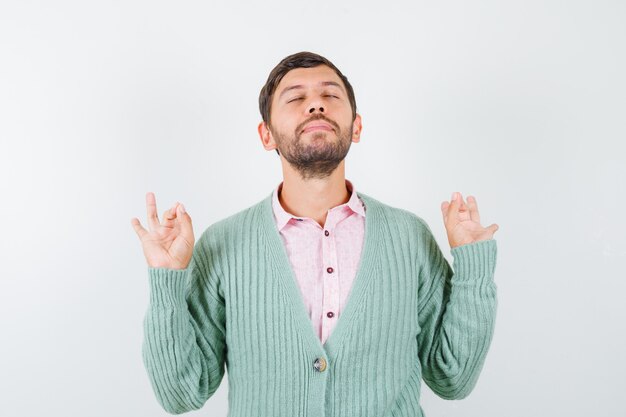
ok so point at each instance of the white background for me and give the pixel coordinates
(520, 103)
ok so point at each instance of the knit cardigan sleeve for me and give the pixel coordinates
(457, 311)
(184, 343)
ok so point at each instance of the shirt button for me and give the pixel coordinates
(320, 364)
(330, 314)
(326, 232)
(329, 270)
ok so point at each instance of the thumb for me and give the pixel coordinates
(185, 222)
(453, 207)
(493, 228)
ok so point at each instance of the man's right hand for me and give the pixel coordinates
(168, 244)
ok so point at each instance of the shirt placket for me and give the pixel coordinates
(330, 299)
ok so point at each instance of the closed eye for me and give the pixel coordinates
(300, 98)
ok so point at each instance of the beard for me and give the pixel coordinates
(321, 155)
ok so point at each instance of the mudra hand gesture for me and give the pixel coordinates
(169, 243)
(462, 221)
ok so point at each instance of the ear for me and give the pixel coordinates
(356, 128)
(266, 137)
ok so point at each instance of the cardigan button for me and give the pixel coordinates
(320, 364)
(330, 269)
(326, 233)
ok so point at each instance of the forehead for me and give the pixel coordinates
(308, 77)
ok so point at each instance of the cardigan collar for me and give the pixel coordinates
(367, 268)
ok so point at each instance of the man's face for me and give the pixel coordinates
(311, 120)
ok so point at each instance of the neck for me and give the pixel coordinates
(313, 197)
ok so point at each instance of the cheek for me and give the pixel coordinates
(279, 122)
(342, 114)
(346, 122)
(283, 129)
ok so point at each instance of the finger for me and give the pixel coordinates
(444, 209)
(169, 217)
(184, 220)
(169, 214)
(473, 208)
(462, 205)
(453, 209)
(493, 228)
(153, 218)
(141, 232)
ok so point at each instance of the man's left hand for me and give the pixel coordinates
(462, 221)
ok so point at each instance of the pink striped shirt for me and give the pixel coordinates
(324, 259)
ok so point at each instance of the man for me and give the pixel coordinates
(320, 300)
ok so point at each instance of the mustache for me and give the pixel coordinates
(318, 116)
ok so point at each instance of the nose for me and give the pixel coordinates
(313, 108)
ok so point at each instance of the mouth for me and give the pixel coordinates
(317, 126)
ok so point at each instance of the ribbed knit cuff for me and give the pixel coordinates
(474, 261)
(167, 287)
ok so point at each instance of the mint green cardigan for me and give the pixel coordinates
(237, 305)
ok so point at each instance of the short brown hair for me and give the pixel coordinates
(298, 60)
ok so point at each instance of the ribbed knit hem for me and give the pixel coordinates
(167, 287)
(474, 260)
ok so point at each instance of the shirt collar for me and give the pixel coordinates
(282, 217)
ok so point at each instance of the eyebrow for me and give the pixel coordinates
(323, 83)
